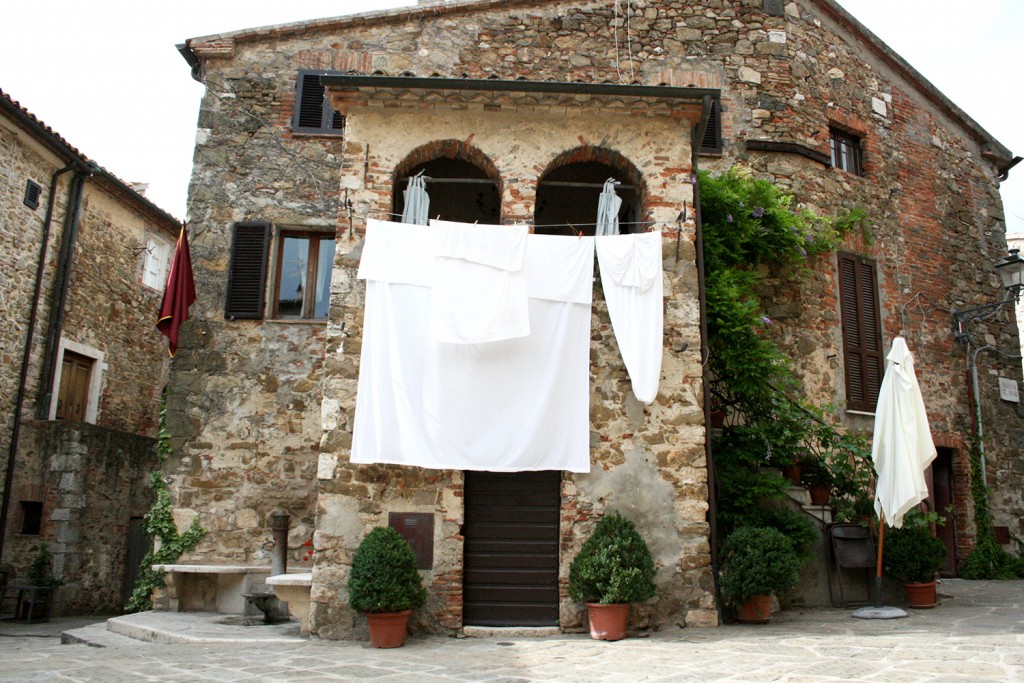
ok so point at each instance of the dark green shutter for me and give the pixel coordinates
(247, 271)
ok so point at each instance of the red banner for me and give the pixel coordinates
(179, 293)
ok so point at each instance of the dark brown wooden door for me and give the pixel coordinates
(942, 502)
(511, 549)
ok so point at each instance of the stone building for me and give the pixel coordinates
(517, 111)
(83, 259)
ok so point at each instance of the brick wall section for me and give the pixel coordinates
(787, 78)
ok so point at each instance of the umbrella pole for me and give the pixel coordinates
(878, 572)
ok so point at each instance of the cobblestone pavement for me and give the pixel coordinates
(976, 634)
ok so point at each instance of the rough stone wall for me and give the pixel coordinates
(109, 311)
(785, 76)
(20, 241)
(95, 480)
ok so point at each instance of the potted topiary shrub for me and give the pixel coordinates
(385, 585)
(914, 556)
(757, 562)
(613, 569)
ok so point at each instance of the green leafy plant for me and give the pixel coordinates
(911, 553)
(613, 566)
(751, 230)
(40, 570)
(166, 543)
(169, 545)
(758, 561)
(988, 560)
(384, 577)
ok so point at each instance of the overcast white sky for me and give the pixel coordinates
(106, 75)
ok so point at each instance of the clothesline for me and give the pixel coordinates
(381, 212)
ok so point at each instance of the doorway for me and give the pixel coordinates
(942, 501)
(510, 551)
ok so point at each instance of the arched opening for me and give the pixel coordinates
(568, 193)
(462, 183)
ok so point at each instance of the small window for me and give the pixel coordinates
(845, 151)
(711, 143)
(32, 192)
(75, 376)
(31, 517)
(862, 331)
(156, 262)
(304, 262)
(313, 113)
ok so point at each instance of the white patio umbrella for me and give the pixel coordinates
(417, 201)
(608, 209)
(902, 449)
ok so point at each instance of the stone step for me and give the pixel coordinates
(97, 635)
(202, 627)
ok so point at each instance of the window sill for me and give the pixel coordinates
(297, 321)
(859, 412)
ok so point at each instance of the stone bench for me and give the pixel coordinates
(294, 589)
(212, 587)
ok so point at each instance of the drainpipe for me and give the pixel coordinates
(696, 136)
(19, 401)
(60, 291)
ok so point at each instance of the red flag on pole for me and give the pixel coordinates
(179, 293)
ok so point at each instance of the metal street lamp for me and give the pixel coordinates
(1011, 275)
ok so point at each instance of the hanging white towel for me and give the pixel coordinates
(518, 404)
(479, 290)
(632, 279)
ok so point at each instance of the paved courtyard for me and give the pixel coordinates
(976, 634)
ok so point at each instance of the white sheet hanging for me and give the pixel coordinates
(632, 279)
(514, 405)
(479, 288)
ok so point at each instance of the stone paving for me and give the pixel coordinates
(976, 634)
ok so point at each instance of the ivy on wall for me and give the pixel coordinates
(748, 225)
(166, 542)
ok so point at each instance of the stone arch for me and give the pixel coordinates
(589, 165)
(465, 184)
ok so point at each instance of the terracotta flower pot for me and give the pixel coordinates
(756, 610)
(608, 622)
(388, 629)
(920, 595)
(792, 473)
(820, 493)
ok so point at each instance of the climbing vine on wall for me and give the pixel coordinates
(167, 543)
(749, 225)
(988, 560)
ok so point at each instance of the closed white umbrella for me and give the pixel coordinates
(417, 201)
(902, 449)
(608, 209)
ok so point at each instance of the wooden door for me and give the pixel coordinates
(511, 548)
(75, 374)
(942, 503)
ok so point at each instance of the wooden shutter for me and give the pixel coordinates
(711, 143)
(862, 330)
(247, 271)
(313, 114)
